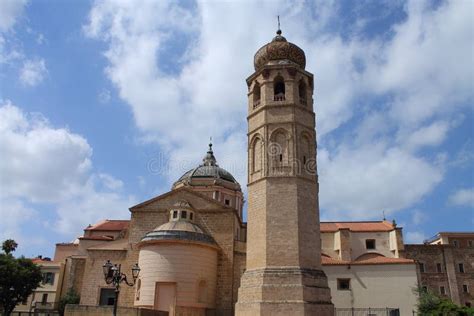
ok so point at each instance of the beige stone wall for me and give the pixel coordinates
(375, 286)
(382, 244)
(217, 221)
(83, 310)
(183, 264)
(94, 277)
(63, 251)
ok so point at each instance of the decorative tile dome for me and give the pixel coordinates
(209, 169)
(279, 49)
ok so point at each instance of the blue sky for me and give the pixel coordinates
(105, 104)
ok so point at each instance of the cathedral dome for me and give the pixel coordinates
(208, 170)
(279, 49)
(181, 226)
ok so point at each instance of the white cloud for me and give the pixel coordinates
(463, 197)
(415, 237)
(50, 169)
(431, 135)
(33, 72)
(10, 10)
(360, 183)
(180, 101)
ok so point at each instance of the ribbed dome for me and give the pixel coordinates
(208, 169)
(180, 225)
(179, 230)
(279, 49)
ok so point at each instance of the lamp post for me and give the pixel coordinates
(113, 275)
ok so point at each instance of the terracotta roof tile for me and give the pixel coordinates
(332, 261)
(110, 225)
(97, 238)
(383, 260)
(366, 260)
(379, 226)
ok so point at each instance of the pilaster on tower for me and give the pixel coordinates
(283, 274)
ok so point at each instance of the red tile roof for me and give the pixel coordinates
(96, 238)
(378, 226)
(366, 259)
(110, 225)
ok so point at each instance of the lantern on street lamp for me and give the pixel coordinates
(113, 275)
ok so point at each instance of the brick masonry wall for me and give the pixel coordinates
(450, 277)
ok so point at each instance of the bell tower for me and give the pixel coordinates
(283, 274)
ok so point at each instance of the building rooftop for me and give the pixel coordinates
(366, 259)
(367, 226)
(109, 225)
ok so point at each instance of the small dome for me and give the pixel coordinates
(180, 227)
(279, 49)
(179, 230)
(209, 169)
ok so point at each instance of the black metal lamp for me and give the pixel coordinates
(113, 275)
(135, 272)
(107, 268)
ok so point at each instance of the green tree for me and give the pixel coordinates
(18, 278)
(429, 304)
(9, 246)
(71, 297)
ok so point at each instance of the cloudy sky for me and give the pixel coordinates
(103, 104)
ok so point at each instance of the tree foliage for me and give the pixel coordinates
(429, 304)
(71, 297)
(9, 246)
(18, 278)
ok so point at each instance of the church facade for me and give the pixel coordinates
(197, 255)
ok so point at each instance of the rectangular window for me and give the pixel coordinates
(461, 268)
(422, 267)
(44, 299)
(184, 214)
(465, 288)
(439, 268)
(442, 290)
(216, 195)
(227, 202)
(175, 214)
(48, 278)
(470, 243)
(107, 297)
(370, 243)
(455, 243)
(343, 284)
(191, 216)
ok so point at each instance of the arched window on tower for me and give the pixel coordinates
(305, 153)
(278, 151)
(279, 89)
(302, 92)
(256, 95)
(256, 154)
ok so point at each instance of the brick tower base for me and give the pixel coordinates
(284, 291)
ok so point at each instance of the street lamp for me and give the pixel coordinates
(113, 275)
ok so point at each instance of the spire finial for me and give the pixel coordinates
(209, 159)
(279, 30)
(384, 218)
